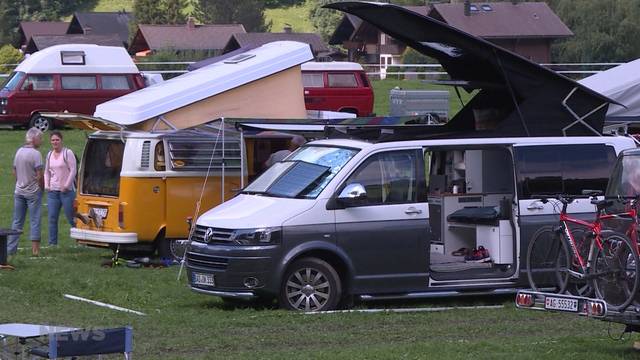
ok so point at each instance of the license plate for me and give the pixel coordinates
(102, 212)
(562, 304)
(203, 279)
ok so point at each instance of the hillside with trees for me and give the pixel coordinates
(604, 30)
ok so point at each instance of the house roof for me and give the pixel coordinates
(39, 42)
(501, 19)
(257, 39)
(31, 28)
(101, 23)
(184, 37)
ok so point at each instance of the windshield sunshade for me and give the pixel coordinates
(298, 177)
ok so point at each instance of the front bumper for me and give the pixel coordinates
(231, 267)
(104, 237)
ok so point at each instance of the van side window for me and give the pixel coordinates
(39, 82)
(388, 178)
(312, 80)
(115, 82)
(563, 169)
(78, 82)
(342, 80)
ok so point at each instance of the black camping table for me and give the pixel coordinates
(3, 243)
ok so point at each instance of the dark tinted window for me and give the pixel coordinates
(563, 169)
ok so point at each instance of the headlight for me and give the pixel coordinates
(4, 101)
(262, 236)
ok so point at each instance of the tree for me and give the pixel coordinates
(249, 13)
(148, 12)
(173, 11)
(9, 21)
(604, 31)
(324, 21)
(9, 55)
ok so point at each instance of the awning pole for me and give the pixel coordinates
(242, 158)
(223, 161)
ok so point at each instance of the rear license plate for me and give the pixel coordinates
(102, 212)
(203, 279)
(562, 304)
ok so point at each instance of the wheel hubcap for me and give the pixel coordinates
(308, 290)
(41, 123)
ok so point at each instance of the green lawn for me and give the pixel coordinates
(181, 324)
(296, 16)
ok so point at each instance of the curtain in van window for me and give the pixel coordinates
(342, 80)
(39, 82)
(115, 82)
(312, 80)
(78, 82)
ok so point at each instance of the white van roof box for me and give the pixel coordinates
(331, 65)
(262, 82)
(79, 59)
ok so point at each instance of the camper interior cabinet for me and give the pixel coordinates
(470, 195)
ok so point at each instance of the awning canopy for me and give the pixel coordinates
(517, 97)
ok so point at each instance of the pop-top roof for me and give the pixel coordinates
(205, 82)
(79, 59)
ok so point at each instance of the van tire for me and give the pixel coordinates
(40, 122)
(310, 284)
(170, 249)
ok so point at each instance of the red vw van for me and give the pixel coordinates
(337, 86)
(72, 77)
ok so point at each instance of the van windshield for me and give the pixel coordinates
(303, 174)
(102, 164)
(14, 80)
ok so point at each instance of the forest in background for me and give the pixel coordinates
(604, 30)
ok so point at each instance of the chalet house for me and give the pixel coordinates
(253, 40)
(39, 42)
(102, 23)
(28, 29)
(526, 28)
(213, 38)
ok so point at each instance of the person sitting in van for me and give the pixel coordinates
(59, 175)
(277, 156)
(27, 170)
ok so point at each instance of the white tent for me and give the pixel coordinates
(622, 84)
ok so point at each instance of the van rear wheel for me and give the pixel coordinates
(40, 122)
(310, 284)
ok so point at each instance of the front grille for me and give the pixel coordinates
(218, 235)
(207, 261)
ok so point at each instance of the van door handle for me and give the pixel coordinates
(535, 206)
(412, 210)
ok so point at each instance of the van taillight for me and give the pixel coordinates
(75, 206)
(121, 215)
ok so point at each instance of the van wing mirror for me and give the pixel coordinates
(352, 195)
(28, 87)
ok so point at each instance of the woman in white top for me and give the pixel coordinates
(59, 182)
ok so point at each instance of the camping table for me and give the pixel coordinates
(24, 332)
(3, 243)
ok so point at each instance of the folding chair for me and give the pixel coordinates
(88, 342)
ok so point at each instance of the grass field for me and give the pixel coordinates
(181, 324)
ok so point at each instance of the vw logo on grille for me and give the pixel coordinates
(208, 235)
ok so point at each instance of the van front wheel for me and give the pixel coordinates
(40, 122)
(310, 284)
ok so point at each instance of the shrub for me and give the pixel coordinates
(9, 55)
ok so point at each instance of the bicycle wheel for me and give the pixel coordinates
(615, 272)
(580, 286)
(547, 261)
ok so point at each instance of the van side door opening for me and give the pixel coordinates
(470, 192)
